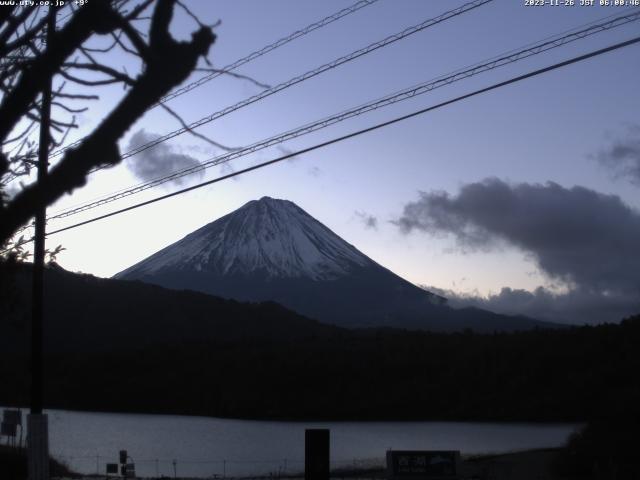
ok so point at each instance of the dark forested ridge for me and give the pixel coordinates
(267, 362)
(88, 314)
(577, 374)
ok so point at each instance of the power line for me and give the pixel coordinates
(494, 62)
(402, 95)
(465, 72)
(252, 56)
(278, 43)
(306, 76)
(313, 73)
(300, 78)
(360, 132)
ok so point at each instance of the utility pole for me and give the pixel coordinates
(38, 428)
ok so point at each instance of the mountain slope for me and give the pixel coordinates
(273, 250)
(273, 237)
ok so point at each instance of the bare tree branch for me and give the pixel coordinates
(66, 108)
(91, 83)
(118, 76)
(167, 63)
(138, 10)
(96, 16)
(13, 23)
(135, 39)
(193, 132)
(76, 96)
(240, 76)
(25, 38)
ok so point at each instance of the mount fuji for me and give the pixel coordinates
(272, 250)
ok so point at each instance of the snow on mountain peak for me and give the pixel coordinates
(270, 236)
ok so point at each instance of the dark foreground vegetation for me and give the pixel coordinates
(602, 450)
(122, 346)
(586, 373)
(130, 347)
(13, 465)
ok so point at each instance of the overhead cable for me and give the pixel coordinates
(248, 58)
(300, 78)
(402, 95)
(359, 132)
(278, 43)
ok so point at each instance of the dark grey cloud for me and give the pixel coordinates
(622, 157)
(207, 150)
(577, 306)
(160, 160)
(585, 239)
(368, 220)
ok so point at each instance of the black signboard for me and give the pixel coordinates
(112, 468)
(431, 464)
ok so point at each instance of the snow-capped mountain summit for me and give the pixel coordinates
(275, 238)
(272, 250)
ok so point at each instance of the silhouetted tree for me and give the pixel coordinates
(27, 63)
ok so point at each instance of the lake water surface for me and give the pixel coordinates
(203, 446)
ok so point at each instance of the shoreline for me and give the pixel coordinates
(531, 464)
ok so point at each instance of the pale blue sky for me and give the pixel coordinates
(543, 129)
